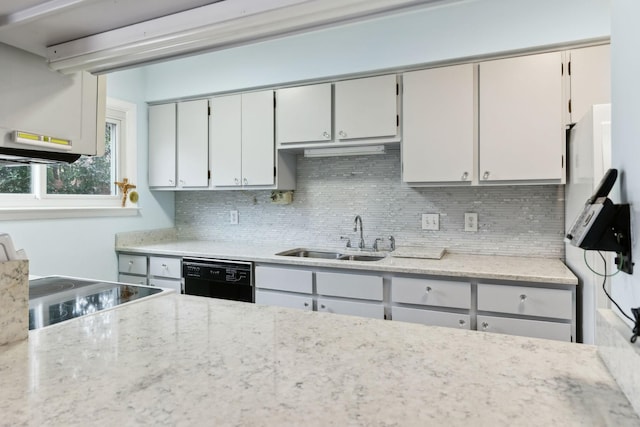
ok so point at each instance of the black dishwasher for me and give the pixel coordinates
(217, 278)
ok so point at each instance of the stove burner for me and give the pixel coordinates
(51, 285)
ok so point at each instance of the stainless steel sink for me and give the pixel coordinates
(310, 253)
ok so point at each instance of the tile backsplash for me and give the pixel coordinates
(512, 220)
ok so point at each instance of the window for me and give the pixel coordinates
(84, 188)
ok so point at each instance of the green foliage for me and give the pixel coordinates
(15, 179)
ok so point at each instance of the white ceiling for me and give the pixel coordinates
(32, 25)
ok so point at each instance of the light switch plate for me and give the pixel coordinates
(470, 221)
(233, 217)
(431, 222)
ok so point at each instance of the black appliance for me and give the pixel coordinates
(216, 278)
(55, 299)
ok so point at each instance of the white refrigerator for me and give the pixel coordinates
(589, 157)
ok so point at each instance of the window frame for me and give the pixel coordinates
(39, 205)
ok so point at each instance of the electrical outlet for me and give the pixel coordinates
(470, 221)
(431, 222)
(233, 217)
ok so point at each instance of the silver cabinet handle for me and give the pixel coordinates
(322, 306)
(461, 322)
(131, 262)
(237, 181)
(326, 135)
(485, 326)
(246, 182)
(306, 304)
(465, 175)
(342, 133)
(427, 290)
(164, 266)
(523, 298)
(485, 175)
(171, 181)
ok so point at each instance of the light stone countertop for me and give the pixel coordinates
(540, 270)
(186, 360)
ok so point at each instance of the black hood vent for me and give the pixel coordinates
(19, 156)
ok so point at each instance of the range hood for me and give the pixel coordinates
(19, 156)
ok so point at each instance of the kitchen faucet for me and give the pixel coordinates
(355, 228)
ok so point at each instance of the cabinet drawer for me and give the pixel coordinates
(176, 285)
(165, 267)
(362, 286)
(431, 317)
(132, 264)
(525, 328)
(355, 308)
(440, 293)
(134, 280)
(556, 303)
(281, 299)
(284, 279)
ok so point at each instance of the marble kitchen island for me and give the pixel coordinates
(185, 360)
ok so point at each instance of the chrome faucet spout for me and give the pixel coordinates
(355, 228)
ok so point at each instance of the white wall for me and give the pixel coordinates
(85, 247)
(625, 69)
(456, 30)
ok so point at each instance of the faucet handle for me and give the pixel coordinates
(375, 244)
(347, 239)
(392, 242)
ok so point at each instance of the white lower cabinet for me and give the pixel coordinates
(349, 285)
(162, 272)
(284, 299)
(431, 317)
(284, 287)
(525, 327)
(354, 308)
(131, 279)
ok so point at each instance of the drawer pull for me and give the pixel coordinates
(465, 176)
(306, 304)
(427, 290)
(461, 322)
(523, 298)
(322, 306)
(485, 326)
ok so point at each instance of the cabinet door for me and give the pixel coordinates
(349, 285)
(193, 143)
(438, 124)
(590, 70)
(366, 108)
(304, 114)
(525, 327)
(521, 126)
(258, 147)
(134, 280)
(284, 279)
(431, 317)
(440, 293)
(165, 267)
(525, 300)
(162, 145)
(354, 308)
(225, 140)
(176, 285)
(132, 264)
(282, 299)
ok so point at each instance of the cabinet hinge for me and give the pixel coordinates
(562, 162)
(397, 120)
(274, 171)
(562, 69)
(208, 111)
(569, 68)
(274, 100)
(208, 174)
(397, 89)
(569, 105)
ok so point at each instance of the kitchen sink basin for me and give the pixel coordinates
(309, 253)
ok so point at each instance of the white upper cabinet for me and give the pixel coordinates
(589, 70)
(162, 145)
(258, 148)
(193, 143)
(366, 108)
(521, 134)
(225, 140)
(304, 114)
(178, 145)
(241, 135)
(439, 110)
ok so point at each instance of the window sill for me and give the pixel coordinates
(27, 213)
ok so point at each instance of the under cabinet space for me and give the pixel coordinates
(441, 293)
(354, 308)
(349, 285)
(132, 264)
(525, 327)
(431, 317)
(283, 299)
(284, 279)
(525, 300)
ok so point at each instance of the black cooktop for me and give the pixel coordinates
(54, 299)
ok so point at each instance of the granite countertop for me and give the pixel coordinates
(541, 270)
(186, 360)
